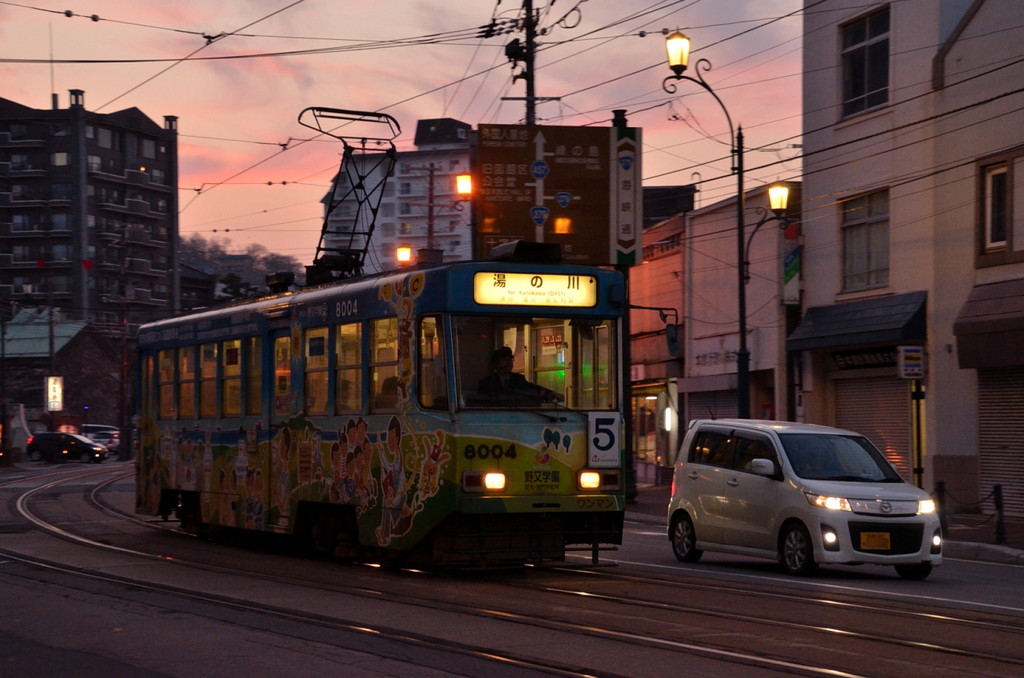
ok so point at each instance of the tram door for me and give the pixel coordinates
(280, 411)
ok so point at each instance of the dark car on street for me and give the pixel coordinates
(55, 448)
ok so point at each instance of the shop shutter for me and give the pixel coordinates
(879, 409)
(711, 405)
(1001, 437)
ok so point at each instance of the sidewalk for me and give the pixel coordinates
(968, 536)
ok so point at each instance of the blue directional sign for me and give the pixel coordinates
(539, 169)
(539, 215)
(564, 199)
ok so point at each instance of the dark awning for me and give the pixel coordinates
(885, 320)
(990, 326)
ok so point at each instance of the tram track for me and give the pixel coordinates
(767, 641)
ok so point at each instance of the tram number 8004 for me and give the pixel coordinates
(489, 451)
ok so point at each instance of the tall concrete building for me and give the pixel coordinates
(88, 211)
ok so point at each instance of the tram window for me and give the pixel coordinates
(433, 377)
(349, 347)
(253, 376)
(208, 381)
(165, 378)
(384, 350)
(282, 375)
(549, 361)
(316, 363)
(231, 364)
(596, 371)
(574, 357)
(187, 382)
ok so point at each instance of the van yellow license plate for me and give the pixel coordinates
(874, 541)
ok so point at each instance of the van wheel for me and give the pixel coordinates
(85, 457)
(914, 572)
(796, 551)
(35, 455)
(684, 540)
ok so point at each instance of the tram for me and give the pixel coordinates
(352, 415)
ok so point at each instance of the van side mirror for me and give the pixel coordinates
(763, 467)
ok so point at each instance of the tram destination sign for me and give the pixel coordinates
(578, 187)
(534, 289)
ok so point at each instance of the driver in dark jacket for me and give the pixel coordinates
(502, 384)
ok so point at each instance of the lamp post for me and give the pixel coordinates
(678, 48)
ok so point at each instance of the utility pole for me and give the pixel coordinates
(531, 47)
(518, 51)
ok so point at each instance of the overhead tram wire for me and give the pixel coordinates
(209, 42)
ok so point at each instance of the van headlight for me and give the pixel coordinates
(926, 506)
(826, 502)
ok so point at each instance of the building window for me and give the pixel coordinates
(148, 148)
(866, 62)
(60, 191)
(59, 159)
(94, 163)
(865, 233)
(996, 204)
(158, 177)
(1001, 209)
(105, 138)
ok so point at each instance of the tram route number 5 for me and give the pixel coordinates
(603, 436)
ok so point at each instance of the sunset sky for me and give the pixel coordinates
(238, 72)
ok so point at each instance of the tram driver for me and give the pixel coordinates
(504, 385)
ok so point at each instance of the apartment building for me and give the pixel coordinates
(88, 210)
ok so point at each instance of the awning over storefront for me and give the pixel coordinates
(885, 320)
(990, 326)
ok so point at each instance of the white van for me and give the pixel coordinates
(800, 493)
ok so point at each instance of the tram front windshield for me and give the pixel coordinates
(567, 362)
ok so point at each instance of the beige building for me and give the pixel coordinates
(913, 304)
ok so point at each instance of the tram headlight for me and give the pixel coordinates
(483, 481)
(589, 479)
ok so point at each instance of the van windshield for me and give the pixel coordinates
(837, 457)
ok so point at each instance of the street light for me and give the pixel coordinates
(678, 47)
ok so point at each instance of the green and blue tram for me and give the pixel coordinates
(351, 415)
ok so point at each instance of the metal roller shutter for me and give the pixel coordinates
(1001, 436)
(711, 405)
(878, 408)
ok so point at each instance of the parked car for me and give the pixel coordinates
(56, 447)
(799, 493)
(110, 439)
(94, 428)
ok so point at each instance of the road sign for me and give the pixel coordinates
(910, 362)
(578, 187)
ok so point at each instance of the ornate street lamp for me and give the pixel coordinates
(678, 48)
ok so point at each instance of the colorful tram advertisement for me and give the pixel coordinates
(363, 416)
